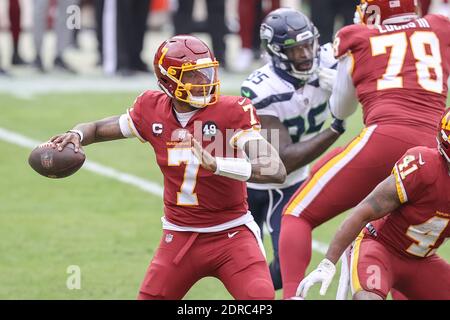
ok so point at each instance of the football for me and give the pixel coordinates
(52, 163)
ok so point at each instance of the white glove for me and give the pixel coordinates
(323, 274)
(327, 77)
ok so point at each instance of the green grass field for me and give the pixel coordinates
(107, 228)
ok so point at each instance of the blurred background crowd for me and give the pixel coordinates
(118, 37)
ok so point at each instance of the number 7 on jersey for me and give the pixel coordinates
(249, 108)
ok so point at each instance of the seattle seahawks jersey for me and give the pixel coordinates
(302, 110)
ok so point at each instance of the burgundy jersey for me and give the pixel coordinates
(193, 196)
(400, 72)
(421, 224)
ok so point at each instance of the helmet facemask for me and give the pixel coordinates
(302, 58)
(197, 84)
(297, 58)
(443, 146)
(443, 137)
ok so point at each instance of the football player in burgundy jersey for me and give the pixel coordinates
(207, 147)
(411, 214)
(290, 94)
(397, 65)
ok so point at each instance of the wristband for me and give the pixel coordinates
(78, 132)
(338, 126)
(234, 168)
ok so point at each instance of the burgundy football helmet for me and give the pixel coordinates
(443, 136)
(187, 71)
(387, 11)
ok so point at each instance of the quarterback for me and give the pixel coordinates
(207, 146)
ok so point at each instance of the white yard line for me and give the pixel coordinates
(95, 167)
(148, 186)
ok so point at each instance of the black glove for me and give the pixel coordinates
(338, 125)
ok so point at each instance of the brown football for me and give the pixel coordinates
(52, 163)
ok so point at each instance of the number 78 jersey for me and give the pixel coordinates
(400, 72)
(421, 224)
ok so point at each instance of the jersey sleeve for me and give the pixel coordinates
(263, 104)
(261, 88)
(414, 173)
(347, 40)
(247, 91)
(441, 26)
(245, 122)
(270, 106)
(136, 118)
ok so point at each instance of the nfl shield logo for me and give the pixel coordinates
(169, 238)
(182, 134)
(47, 160)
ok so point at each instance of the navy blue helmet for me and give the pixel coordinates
(291, 40)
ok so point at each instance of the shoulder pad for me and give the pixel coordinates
(348, 39)
(261, 85)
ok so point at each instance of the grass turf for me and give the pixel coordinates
(107, 228)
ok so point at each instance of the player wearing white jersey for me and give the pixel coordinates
(290, 94)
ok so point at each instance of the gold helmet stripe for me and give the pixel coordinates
(445, 122)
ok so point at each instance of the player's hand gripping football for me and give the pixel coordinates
(324, 274)
(207, 161)
(61, 140)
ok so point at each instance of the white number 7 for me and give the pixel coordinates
(250, 108)
(177, 156)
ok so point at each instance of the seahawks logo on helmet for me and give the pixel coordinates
(266, 32)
